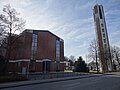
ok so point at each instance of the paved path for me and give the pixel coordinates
(33, 82)
(104, 82)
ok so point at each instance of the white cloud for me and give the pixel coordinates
(16, 3)
(72, 20)
(68, 25)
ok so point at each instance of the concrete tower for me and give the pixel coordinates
(102, 39)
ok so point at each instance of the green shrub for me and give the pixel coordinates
(80, 65)
(12, 78)
(2, 65)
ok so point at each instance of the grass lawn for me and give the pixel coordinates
(95, 72)
(68, 70)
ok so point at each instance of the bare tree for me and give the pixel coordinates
(66, 58)
(10, 22)
(72, 58)
(93, 52)
(115, 54)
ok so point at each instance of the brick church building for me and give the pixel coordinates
(37, 51)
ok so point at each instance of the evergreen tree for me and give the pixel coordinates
(80, 65)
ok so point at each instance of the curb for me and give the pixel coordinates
(26, 83)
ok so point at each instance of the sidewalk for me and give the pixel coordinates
(113, 73)
(24, 83)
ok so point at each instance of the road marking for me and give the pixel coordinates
(68, 85)
(96, 79)
(75, 85)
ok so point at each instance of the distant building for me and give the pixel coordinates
(68, 65)
(92, 66)
(102, 39)
(37, 51)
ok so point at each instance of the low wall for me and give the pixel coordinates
(35, 76)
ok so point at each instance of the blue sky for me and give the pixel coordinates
(72, 20)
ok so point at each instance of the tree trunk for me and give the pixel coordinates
(117, 60)
(97, 62)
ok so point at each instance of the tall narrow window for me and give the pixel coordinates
(104, 40)
(102, 30)
(100, 12)
(103, 35)
(105, 45)
(101, 25)
(57, 51)
(34, 46)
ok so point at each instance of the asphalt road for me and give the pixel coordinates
(106, 82)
